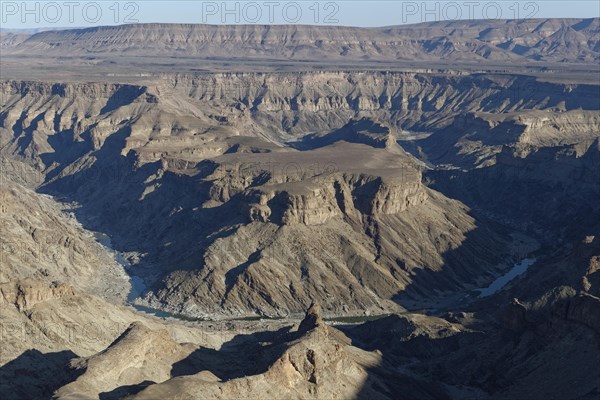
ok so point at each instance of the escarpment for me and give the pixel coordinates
(168, 115)
(238, 153)
(465, 43)
(369, 196)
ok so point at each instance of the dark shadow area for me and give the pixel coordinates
(35, 375)
(395, 335)
(26, 140)
(364, 131)
(145, 209)
(383, 382)
(400, 374)
(526, 92)
(540, 194)
(125, 94)
(502, 356)
(66, 150)
(476, 259)
(123, 391)
(243, 355)
(546, 194)
(233, 274)
(583, 24)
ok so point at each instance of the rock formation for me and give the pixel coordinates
(137, 357)
(385, 194)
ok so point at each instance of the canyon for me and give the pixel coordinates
(297, 227)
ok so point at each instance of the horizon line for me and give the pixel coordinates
(64, 28)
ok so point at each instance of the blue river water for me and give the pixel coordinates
(137, 284)
(519, 269)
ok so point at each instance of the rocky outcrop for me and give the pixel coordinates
(26, 294)
(514, 317)
(304, 366)
(312, 319)
(381, 196)
(139, 356)
(338, 196)
(313, 207)
(583, 309)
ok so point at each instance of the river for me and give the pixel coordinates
(137, 284)
(138, 287)
(519, 269)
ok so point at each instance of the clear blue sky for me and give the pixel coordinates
(69, 13)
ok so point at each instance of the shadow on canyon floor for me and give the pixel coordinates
(35, 375)
(109, 196)
(244, 355)
(402, 358)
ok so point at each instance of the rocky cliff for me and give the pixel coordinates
(529, 39)
(238, 153)
(278, 107)
(261, 191)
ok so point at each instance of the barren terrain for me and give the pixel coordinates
(301, 212)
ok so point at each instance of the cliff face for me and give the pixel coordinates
(267, 159)
(368, 195)
(64, 121)
(540, 154)
(533, 39)
(583, 309)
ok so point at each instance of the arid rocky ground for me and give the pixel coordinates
(379, 197)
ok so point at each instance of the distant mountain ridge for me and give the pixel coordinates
(530, 40)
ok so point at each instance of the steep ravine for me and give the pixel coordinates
(201, 182)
